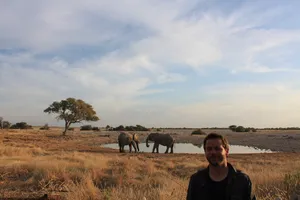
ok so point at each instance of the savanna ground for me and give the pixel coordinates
(36, 162)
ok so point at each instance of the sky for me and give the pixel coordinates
(170, 63)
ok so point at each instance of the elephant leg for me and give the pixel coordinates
(120, 147)
(153, 148)
(157, 148)
(167, 150)
(134, 146)
(172, 148)
(130, 148)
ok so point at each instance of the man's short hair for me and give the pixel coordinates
(216, 136)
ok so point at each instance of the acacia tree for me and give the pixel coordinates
(72, 111)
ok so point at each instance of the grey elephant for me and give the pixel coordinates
(128, 139)
(161, 139)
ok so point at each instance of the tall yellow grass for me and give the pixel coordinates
(76, 175)
(26, 169)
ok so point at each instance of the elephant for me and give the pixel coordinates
(128, 139)
(163, 139)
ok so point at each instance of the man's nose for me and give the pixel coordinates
(213, 151)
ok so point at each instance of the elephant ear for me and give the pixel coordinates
(135, 137)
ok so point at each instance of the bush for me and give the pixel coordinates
(71, 129)
(96, 129)
(21, 125)
(129, 128)
(6, 124)
(247, 129)
(198, 132)
(86, 128)
(45, 127)
(232, 127)
(240, 129)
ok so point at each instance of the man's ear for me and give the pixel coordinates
(227, 152)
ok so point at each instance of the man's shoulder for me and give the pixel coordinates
(242, 176)
(201, 173)
(238, 172)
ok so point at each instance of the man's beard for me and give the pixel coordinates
(216, 160)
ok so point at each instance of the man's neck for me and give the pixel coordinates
(218, 173)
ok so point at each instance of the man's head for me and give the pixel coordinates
(216, 149)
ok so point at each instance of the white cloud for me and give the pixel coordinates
(154, 42)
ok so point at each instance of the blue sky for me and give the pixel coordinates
(156, 63)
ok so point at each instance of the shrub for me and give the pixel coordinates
(21, 125)
(6, 124)
(240, 129)
(86, 128)
(45, 127)
(232, 127)
(198, 132)
(247, 129)
(96, 129)
(129, 128)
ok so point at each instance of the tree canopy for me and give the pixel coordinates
(72, 111)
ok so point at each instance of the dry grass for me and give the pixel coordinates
(32, 163)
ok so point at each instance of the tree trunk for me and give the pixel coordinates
(67, 125)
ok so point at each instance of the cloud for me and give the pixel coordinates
(134, 60)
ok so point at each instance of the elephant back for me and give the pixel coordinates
(161, 138)
(125, 138)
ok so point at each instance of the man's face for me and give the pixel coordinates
(215, 153)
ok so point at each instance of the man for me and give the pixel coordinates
(220, 180)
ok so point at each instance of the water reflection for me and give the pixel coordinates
(190, 148)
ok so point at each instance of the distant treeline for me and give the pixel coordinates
(127, 128)
(236, 128)
(287, 128)
(19, 125)
(184, 128)
(142, 128)
(248, 129)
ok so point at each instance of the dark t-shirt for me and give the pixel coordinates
(217, 190)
